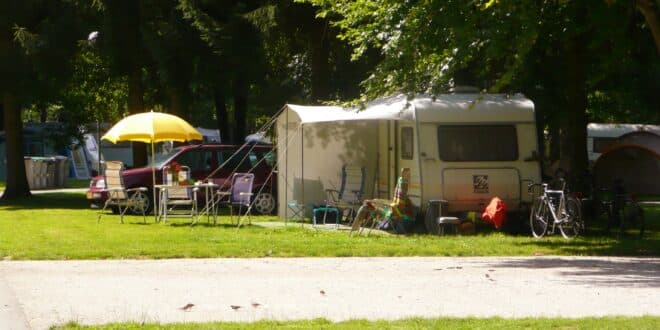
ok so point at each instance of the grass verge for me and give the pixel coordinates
(646, 322)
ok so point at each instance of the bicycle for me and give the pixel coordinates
(621, 210)
(556, 207)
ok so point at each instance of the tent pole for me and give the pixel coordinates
(419, 160)
(302, 170)
(286, 170)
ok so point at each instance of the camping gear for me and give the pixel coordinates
(326, 214)
(152, 127)
(118, 195)
(634, 159)
(396, 213)
(176, 199)
(240, 196)
(495, 212)
(349, 195)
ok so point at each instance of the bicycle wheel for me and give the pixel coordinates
(631, 217)
(538, 217)
(574, 224)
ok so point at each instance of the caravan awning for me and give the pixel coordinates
(443, 108)
(393, 108)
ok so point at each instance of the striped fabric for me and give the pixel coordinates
(401, 207)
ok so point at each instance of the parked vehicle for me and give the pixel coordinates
(203, 160)
(463, 148)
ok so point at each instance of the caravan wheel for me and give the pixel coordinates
(264, 203)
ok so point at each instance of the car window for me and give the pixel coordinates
(232, 159)
(162, 158)
(248, 159)
(196, 159)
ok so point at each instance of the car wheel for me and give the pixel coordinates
(142, 201)
(264, 203)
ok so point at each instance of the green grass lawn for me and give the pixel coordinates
(412, 323)
(71, 183)
(62, 226)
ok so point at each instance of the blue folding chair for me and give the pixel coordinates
(350, 194)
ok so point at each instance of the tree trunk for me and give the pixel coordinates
(2, 117)
(320, 46)
(651, 12)
(136, 105)
(221, 115)
(176, 103)
(240, 110)
(573, 143)
(17, 185)
(554, 132)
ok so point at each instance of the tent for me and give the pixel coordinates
(313, 143)
(635, 159)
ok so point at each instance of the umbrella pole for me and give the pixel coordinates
(153, 179)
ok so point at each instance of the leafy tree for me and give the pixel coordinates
(121, 43)
(37, 42)
(558, 49)
(238, 49)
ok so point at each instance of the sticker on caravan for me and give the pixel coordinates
(480, 183)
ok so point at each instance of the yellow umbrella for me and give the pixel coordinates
(151, 127)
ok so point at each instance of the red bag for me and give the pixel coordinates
(494, 212)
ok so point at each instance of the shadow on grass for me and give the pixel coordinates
(57, 200)
(636, 272)
(602, 244)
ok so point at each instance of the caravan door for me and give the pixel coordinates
(408, 157)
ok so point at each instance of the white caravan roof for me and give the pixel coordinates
(457, 108)
(616, 130)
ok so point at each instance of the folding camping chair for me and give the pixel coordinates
(118, 195)
(397, 210)
(177, 200)
(240, 195)
(349, 196)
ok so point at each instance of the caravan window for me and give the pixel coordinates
(462, 143)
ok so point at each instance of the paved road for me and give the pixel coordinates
(38, 294)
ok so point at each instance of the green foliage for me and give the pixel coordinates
(37, 41)
(425, 43)
(93, 93)
(505, 46)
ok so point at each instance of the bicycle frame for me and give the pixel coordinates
(558, 212)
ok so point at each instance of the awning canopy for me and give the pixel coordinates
(442, 108)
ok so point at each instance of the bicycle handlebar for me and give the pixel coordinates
(545, 185)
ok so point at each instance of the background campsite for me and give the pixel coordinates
(232, 67)
(427, 103)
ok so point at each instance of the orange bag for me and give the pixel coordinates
(495, 212)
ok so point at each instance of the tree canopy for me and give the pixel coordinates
(575, 59)
(231, 64)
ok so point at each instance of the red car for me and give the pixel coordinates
(203, 159)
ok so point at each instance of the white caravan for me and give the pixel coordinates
(462, 148)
